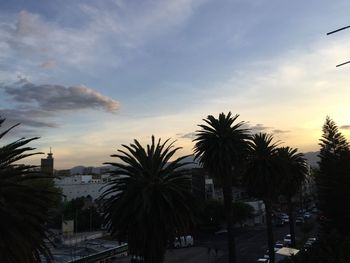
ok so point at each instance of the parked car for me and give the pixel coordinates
(301, 211)
(307, 215)
(183, 241)
(278, 246)
(136, 259)
(309, 243)
(284, 217)
(263, 260)
(287, 240)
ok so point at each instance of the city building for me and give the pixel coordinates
(81, 186)
(47, 164)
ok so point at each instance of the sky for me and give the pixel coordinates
(89, 76)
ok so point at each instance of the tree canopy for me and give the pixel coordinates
(24, 209)
(150, 201)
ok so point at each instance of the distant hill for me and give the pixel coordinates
(311, 158)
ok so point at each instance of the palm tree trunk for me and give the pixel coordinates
(227, 191)
(270, 240)
(291, 221)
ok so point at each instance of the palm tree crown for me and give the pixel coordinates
(220, 147)
(294, 173)
(263, 172)
(24, 209)
(221, 144)
(262, 177)
(294, 169)
(150, 201)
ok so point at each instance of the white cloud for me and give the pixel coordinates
(109, 29)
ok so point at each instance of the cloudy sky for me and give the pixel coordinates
(87, 76)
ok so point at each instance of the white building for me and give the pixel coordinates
(81, 186)
(259, 213)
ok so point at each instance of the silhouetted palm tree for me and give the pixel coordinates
(150, 200)
(220, 147)
(263, 177)
(294, 174)
(24, 209)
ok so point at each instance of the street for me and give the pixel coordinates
(251, 244)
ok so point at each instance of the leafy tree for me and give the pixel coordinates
(242, 212)
(294, 174)
(150, 200)
(333, 179)
(220, 148)
(212, 214)
(262, 177)
(84, 214)
(24, 209)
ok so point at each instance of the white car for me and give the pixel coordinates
(183, 241)
(263, 260)
(287, 240)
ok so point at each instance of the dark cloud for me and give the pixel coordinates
(28, 117)
(50, 97)
(278, 131)
(190, 135)
(35, 104)
(258, 128)
(345, 127)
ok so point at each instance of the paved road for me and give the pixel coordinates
(251, 245)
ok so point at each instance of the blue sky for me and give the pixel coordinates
(87, 76)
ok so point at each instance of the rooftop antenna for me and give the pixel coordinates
(335, 31)
(49, 155)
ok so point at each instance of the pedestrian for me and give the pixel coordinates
(209, 249)
(216, 251)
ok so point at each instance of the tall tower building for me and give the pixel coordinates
(47, 164)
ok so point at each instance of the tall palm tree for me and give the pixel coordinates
(220, 147)
(294, 174)
(263, 177)
(24, 209)
(150, 201)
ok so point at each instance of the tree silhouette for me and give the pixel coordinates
(220, 147)
(333, 179)
(24, 209)
(262, 177)
(293, 175)
(150, 201)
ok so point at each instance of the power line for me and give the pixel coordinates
(335, 31)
